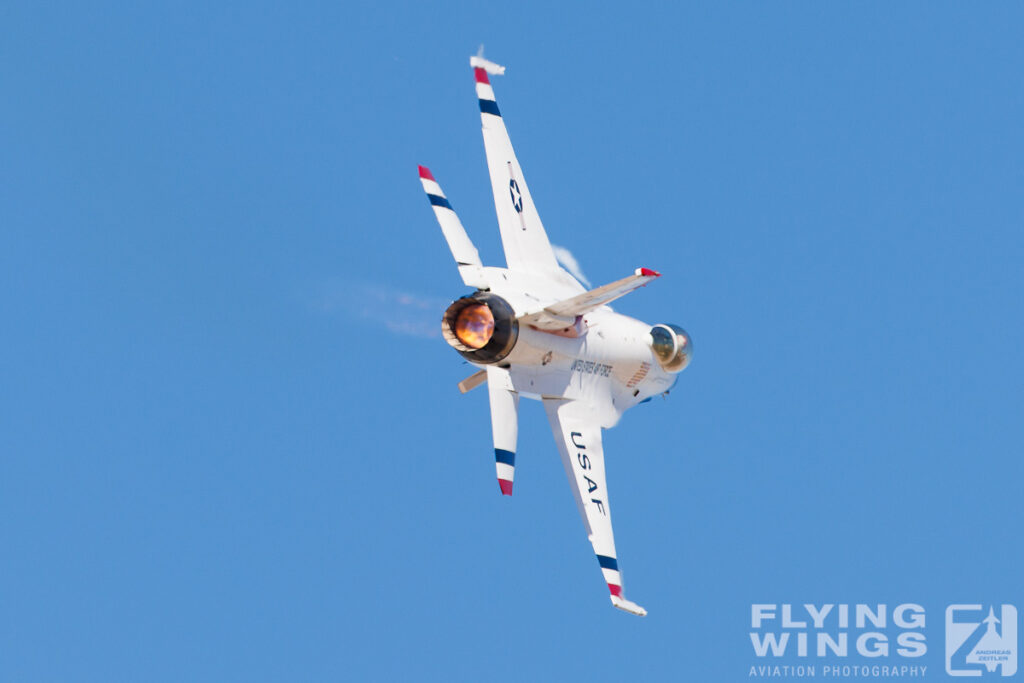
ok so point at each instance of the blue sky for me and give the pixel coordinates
(232, 446)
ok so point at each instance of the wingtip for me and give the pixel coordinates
(478, 62)
(628, 606)
(647, 272)
(506, 487)
(425, 173)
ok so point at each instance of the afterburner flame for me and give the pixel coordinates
(474, 326)
(482, 327)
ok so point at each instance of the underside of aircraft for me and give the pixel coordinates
(534, 331)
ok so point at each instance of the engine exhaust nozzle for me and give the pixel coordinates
(482, 327)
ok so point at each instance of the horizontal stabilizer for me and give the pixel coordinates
(466, 256)
(558, 316)
(504, 425)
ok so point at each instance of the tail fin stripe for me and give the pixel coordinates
(439, 201)
(506, 457)
(489, 107)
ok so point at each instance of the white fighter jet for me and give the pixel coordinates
(536, 332)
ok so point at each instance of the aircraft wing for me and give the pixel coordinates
(562, 314)
(522, 234)
(578, 436)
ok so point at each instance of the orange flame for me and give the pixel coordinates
(474, 326)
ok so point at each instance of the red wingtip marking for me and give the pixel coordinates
(615, 590)
(649, 273)
(481, 76)
(425, 173)
(506, 487)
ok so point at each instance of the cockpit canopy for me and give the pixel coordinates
(672, 347)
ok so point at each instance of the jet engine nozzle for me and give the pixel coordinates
(672, 347)
(474, 326)
(482, 327)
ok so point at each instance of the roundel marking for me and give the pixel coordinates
(517, 197)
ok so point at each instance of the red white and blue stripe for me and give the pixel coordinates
(505, 463)
(485, 93)
(610, 569)
(462, 248)
(433, 190)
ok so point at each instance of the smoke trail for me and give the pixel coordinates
(570, 263)
(405, 313)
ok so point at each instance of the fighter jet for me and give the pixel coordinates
(536, 332)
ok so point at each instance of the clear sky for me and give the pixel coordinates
(231, 444)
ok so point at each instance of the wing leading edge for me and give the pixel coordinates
(522, 233)
(578, 436)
